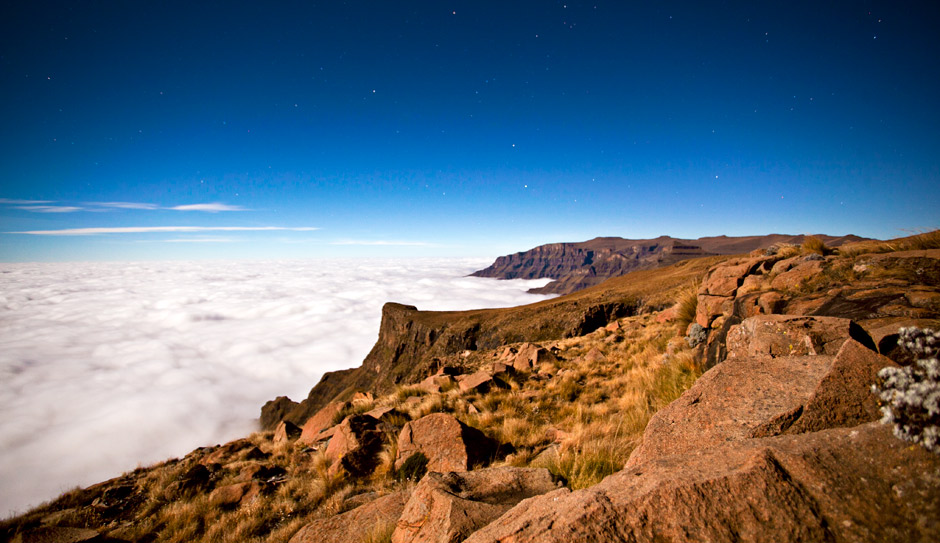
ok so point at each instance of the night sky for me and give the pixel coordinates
(437, 128)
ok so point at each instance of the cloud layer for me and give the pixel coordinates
(107, 366)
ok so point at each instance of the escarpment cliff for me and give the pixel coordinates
(411, 342)
(575, 266)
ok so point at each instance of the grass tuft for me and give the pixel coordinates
(814, 244)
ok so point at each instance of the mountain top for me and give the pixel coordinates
(575, 266)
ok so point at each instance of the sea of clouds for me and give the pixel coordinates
(108, 366)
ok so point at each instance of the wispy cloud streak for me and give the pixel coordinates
(126, 205)
(214, 207)
(382, 243)
(51, 209)
(151, 229)
(13, 201)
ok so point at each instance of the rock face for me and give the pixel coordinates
(448, 507)
(355, 445)
(759, 449)
(286, 431)
(788, 335)
(780, 489)
(277, 410)
(410, 341)
(771, 396)
(320, 421)
(358, 525)
(814, 286)
(448, 444)
(575, 266)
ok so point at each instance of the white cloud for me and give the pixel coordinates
(151, 229)
(126, 205)
(382, 243)
(200, 240)
(50, 209)
(14, 201)
(214, 207)
(107, 366)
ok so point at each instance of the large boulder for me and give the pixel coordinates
(789, 335)
(857, 484)
(795, 276)
(843, 396)
(286, 431)
(448, 507)
(364, 523)
(276, 410)
(750, 397)
(714, 409)
(482, 381)
(320, 421)
(530, 356)
(448, 444)
(355, 445)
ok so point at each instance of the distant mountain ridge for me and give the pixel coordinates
(575, 266)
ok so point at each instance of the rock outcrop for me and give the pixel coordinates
(360, 524)
(856, 484)
(575, 266)
(411, 341)
(759, 449)
(447, 443)
(448, 507)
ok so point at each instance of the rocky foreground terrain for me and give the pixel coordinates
(716, 399)
(575, 266)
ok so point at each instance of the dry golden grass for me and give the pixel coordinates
(687, 305)
(813, 244)
(918, 242)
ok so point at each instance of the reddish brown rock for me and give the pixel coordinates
(231, 496)
(322, 420)
(446, 508)
(437, 383)
(785, 265)
(771, 303)
(594, 356)
(384, 414)
(843, 396)
(739, 399)
(276, 410)
(498, 369)
(711, 307)
(229, 452)
(750, 397)
(448, 444)
(751, 283)
(355, 445)
(668, 315)
(788, 335)
(286, 431)
(795, 276)
(850, 485)
(530, 356)
(364, 523)
(724, 279)
(481, 381)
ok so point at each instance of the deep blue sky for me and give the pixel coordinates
(460, 128)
